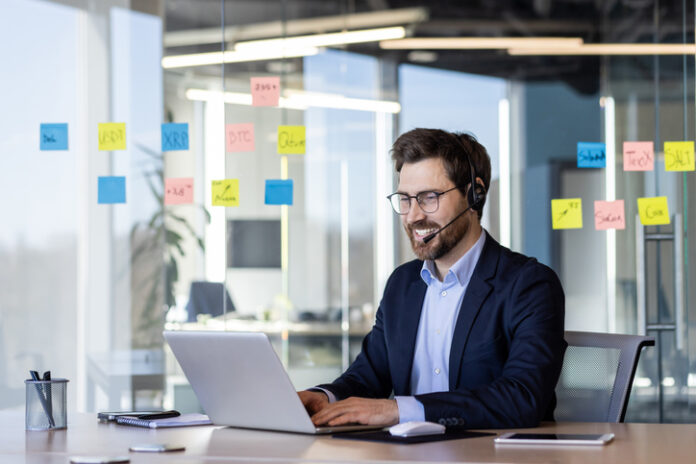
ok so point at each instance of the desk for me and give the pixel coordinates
(634, 443)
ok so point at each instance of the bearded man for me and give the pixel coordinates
(470, 334)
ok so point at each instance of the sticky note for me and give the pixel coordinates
(53, 136)
(278, 192)
(111, 189)
(591, 155)
(178, 190)
(265, 91)
(639, 156)
(226, 192)
(679, 156)
(240, 137)
(653, 211)
(609, 215)
(291, 140)
(566, 213)
(112, 136)
(175, 136)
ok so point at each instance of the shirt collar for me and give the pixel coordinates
(460, 271)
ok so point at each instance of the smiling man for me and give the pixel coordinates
(470, 333)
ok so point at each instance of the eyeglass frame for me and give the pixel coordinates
(415, 197)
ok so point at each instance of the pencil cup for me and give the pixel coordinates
(46, 407)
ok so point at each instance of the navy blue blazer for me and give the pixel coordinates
(507, 347)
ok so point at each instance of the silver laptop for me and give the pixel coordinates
(240, 382)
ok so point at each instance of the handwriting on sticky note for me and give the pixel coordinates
(265, 91)
(178, 190)
(591, 155)
(175, 136)
(226, 192)
(278, 192)
(679, 156)
(609, 215)
(639, 156)
(111, 189)
(291, 140)
(53, 136)
(239, 137)
(112, 136)
(653, 211)
(566, 213)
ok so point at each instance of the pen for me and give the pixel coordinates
(159, 415)
(42, 398)
(49, 393)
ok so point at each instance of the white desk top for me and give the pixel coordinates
(634, 443)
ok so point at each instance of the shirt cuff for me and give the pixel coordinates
(410, 409)
(332, 397)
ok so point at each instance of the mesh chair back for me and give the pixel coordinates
(597, 375)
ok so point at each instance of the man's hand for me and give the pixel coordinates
(313, 401)
(358, 411)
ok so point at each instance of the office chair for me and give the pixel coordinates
(597, 375)
(207, 298)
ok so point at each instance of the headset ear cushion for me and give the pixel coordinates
(480, 198)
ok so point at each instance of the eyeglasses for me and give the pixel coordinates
(428, 201)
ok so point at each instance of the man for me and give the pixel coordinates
(470, 334)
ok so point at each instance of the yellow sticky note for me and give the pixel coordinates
(226, 192)
(653, 211)
(112, 136)
(291, 140)
(566, 213)
(679, 156)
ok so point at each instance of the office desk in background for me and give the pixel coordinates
(634, 444)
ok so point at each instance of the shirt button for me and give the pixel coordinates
(437, 331)
(437, 371)
(444, 293)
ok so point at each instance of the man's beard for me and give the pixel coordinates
(442, 243)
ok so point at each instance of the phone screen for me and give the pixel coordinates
(555, 436)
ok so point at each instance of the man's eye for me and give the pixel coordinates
(428, 196)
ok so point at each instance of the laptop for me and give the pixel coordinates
(240, 382)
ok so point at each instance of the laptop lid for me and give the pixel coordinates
(239, 380)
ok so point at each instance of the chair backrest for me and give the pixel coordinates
(597, 376)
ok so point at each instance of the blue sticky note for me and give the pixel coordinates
(112, 189)
(175, 136)
(53, 136)
(279, 192)
(592, 155)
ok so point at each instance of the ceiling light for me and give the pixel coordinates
(611, 49)
(324, 40)
(204, 59)
(479, 43)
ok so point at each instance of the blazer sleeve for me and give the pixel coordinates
(522, 394)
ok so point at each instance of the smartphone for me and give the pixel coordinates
(99, 459)
(555, 438)
(112, 415)
(156, 448)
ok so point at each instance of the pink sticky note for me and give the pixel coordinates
(178, 191)
(240, 137)
(639, 156)
(265, 91)
(609, 215)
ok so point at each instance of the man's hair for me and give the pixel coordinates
(453, 148)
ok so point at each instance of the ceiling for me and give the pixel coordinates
(595, 21)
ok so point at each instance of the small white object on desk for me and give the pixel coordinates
(416, 428)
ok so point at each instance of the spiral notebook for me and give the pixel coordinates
(183, 420)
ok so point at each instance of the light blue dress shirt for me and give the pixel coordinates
(430, 372)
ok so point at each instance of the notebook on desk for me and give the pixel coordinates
(240, 382)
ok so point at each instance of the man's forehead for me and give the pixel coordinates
(427, 174)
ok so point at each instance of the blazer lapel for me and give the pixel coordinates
(407, 327)
(476, 293)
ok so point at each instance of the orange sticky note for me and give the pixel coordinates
(639, 156)
(291, 140)
(609, 215)
(112, 136)
(566, 213)
(679, 156)
(178, 190)
(265, 91)
(226, 192)
(653, 211)
(239, 137)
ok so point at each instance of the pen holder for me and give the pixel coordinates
(47, 405)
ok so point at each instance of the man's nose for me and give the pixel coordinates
(415, 213)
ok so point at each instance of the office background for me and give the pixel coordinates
(87, 288)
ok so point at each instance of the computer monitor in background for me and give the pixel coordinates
(207, 298)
